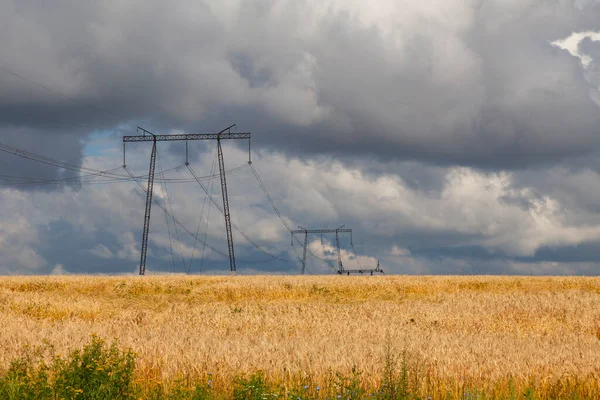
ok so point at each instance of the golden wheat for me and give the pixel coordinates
(481, 330)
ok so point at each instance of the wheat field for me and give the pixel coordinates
(457, 331)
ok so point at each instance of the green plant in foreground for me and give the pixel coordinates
(253, 388)
(179, 390)
(350, 388)
(24, 381)
(95, 372)
(395, 385)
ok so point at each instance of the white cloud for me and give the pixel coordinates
(571, 44)
(399, 251)
(59, 269)
(19, 239)
(102, 251)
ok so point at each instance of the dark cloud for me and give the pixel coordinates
(63, 144)
(590, 48)
(482, 86)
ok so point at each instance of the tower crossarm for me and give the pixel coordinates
(344, 230)
(186, 136)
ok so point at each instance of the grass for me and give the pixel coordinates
(355, 337)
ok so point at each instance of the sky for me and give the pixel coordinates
(451, 136)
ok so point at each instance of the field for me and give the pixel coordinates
(443, 336)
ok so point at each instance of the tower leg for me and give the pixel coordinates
(226, 208)
(304, 253)
(148, 209)
(339, 255)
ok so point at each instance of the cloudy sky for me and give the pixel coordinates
(452, 136)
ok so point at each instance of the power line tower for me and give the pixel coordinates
(148, 136)
(337, 231)
(340, 270)
(364, 270)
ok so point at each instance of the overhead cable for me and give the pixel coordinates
(210, 183)
(237, 228)
(175, 220)
(270, 199)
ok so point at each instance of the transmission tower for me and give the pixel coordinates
(337, 231)
(148, 136)
(340, 270)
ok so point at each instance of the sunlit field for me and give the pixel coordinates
(443, 336)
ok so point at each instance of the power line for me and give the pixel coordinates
(212, 185)
(42, 86)
(355, 254)
(170, 241)
(237, 228)
(107, 176)
(25, 181)
(56, 163)
(175, 220)
(269, 198)
(272, 203)
(164, 184)
(212, 169)
(183, 227)
(37, 84)
(86, 171)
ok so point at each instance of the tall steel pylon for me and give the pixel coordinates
(340, 270)
(150, 186)
(304, 231)
(148, 136)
